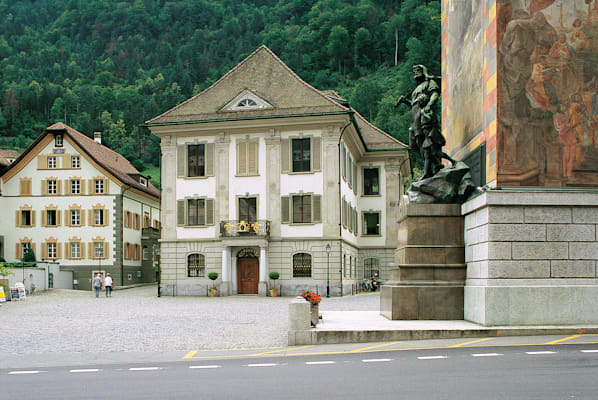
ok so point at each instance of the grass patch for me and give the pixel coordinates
(154, 172)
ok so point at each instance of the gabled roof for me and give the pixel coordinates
(9, 153)
(268, 77)
(108, 159)
(3, 161)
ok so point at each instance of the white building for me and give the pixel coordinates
(261, 172)
(74, 201)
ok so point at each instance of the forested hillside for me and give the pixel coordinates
(109, 66)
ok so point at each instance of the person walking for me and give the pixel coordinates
(97, 284)
(108, 285)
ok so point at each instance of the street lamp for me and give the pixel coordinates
(328, 248)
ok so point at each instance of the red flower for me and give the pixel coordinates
(310, 296)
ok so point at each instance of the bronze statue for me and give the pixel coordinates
(424, 134)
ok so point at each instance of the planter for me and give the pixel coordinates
(315, 314)
(273, 292)
(213, 292)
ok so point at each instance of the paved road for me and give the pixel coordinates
(504, 372)
(135, 320)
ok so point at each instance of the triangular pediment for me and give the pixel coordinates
(246, 100)
(264, 79)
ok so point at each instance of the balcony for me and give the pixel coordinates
(150, 233)
(236, 228)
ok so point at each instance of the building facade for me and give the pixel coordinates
(72, 200)
(262, 172)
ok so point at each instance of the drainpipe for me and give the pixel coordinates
(340, 206)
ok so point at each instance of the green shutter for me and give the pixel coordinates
(316, 154)
(285, 156)
(316, 208)
(285, 209)
(344, 211)
(344, 161)
(209, 159)
(210, 212)
(181, 161)
(180, 212)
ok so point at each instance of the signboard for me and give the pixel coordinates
(2, 296)
(58, 151)
(476, 161)
(14, 293)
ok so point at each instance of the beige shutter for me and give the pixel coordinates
(82, 219)
(44, 218)
(106, 255)
(316, 208)
(316, 154)
(252, 155)
(285, 156)
(44, 255)
(91, 188)
(285, 209)
(29, 183)
(58, 250)
(241, 157)
(68, 187)
(90, 217)
(209, 159)
(58, 218)
(82, 186)
(58, 186)
(18, 218)
(42, 162)
(33, 218)
(181, 161)
(67, 218)
(18, 251)
(90, 250)
(106, 216)
(22, 188)
(210, 212)
(180, 212)
(82, 251)
(44, 187)
(67, 251)
(125, 219)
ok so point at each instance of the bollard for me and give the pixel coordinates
(299, 321)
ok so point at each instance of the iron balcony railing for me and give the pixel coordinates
(238, 228)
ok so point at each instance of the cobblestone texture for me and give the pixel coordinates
(136, 320)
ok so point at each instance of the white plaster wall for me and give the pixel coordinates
(377, 203)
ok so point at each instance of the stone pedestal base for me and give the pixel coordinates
(428, 282)
(262, 289)
(225, 289)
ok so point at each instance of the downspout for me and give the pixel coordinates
(340, 205)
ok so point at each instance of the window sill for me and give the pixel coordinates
(302, 172)
(195, 226)
(378, 235)
(246, 175)
(301, 223)
(371, 195)
(194, 177)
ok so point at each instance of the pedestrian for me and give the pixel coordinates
(108, 285)
(97, 284)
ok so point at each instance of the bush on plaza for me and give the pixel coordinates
(213, 276)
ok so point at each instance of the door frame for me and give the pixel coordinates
(239, 270)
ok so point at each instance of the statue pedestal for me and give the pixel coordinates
(429, 279)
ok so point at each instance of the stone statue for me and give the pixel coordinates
(424, 134)
(437, 184)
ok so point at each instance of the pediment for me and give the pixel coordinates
(246, 100)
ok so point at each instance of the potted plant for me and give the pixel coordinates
(274, 275)
(213, 291)
(314, 300)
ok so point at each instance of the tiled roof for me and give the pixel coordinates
(9, 153)
(3, 161)
(116, 164)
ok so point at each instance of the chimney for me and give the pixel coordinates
(97, 137)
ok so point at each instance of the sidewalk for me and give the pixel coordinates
(369, 326)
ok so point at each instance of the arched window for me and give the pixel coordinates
(196, 265)
(302, 265)
(370, 267)
(247, 103)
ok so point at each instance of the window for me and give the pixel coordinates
(58, 141)
(98, 249)
(51, 219)
(128, 219)
(136, 221)
(302, 265)
(51, 162)
(371, 223)
(75, 217)
(196, 212)
(196, 265)
(145, 253)
(26, 219)
(75, 250)
(247, 209)
(52, 186)
(143, 181)
(247, 103)
(75, 186)
(75, 162)
(24, 247)
(98, 217)
(370, 267)
(247, 157)
(371, 181)
(301, 155)
(301, 209)
(51, 250)
(196, 160)
(99, 186)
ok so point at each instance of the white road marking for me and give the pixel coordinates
(204, 366)
(75, 371)
(589, 351)
(145, 369)
(431, 357)
(533, 353)
(319, 362)
(262, 365)
(23, 372)
(487, 355)
(377, 360)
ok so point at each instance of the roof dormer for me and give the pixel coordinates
(246, 100)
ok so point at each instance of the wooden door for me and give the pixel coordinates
(248, 275)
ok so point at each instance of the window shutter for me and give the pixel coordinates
(82, 186)
(22, 188)
(252, 154)
(181, 161)
(106, 216)
(106, 255)
(44, 187)
(355, 178)
(44, 255)
(106, 186)
(82, 251)
(58, 250)
(241, 158)
(316, 208)
(67, 218)
(344, 161)
(67, 251)
(209, 159)
(180, 212)
(68, 187)
(210, 212)
(356, 223)
(350, 218)
(90, 250)
(285, 209)
(285, 156)
(18, 218)
(33, 218)
(58, 186)
(90, 217)
(344, 213)
(18, 251)
(316, 154)
(82, 219)
(42, 162)
(91, 186)
(44, 218)
(58, 218)
(33, 248)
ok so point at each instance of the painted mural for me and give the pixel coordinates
(548, 92)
